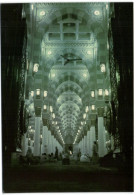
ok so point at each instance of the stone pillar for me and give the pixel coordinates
(112, 142)
(48, 149)
(92, 138)
(31, 145)
(85, 144)
(105, 141)
(101, 132)
(52, 149)
(88, 143)
(37, 137)
(24, 145)
(49, 143)
(44, 140)
(54, 145)
(82, 146)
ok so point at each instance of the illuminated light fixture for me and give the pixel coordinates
(49, 52)
(92, 93)
(53, 115)
(27, 65)
(37, 91)
(84, 75)
(29, 139)
(103, 68)
(43, 49)
(32, 6)
(89, 52)
(107, 45)
(106, 92)
(29, 127)
(32, 93)
(51, 109)
(53, 75)
(106, 6)
(84, 115)
(56, 122)
(36, 67)
(85, 122)
(58, 99)
(87, 109)
(100, 92)
(40, 136)
(45, 107)
(78, 131)
(81, 123)
(96, 13)
(45, 93)
(42, 13)
(93, 107)
(105, 131)
(52, 122)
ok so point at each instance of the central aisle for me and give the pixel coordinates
(54, 177)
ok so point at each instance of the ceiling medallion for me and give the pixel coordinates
(42, 13)
(89, 52)
(49, 52)
(96, 12)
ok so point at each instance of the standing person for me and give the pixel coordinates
(29, 156)
(79, 155)
(95, 153)
(56, 153)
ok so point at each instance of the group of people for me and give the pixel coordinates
(86, 157)
(55, 157)
(77, 156)
(50, 157)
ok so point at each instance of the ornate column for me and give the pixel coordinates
(85, 144)
(31, 145)
(54, 144)
(101, 141)
(49, 143)
(112, 142)
(88, 143)
(24, 145)
(92, 138)
(37, 137)
(82, 144)
(52, 149)
(105, 148)
(44, 139)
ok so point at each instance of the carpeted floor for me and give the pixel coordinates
(55, 177)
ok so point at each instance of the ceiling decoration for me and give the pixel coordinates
(67, 48)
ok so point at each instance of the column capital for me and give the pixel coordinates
(100, 111)
(93, 122)
(45, 122)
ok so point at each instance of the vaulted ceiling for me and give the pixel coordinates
(67, 65)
